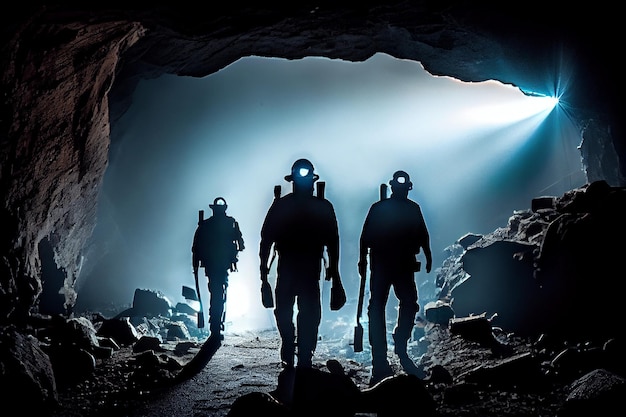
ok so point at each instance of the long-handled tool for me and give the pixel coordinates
(195, 275)
(222, 324)
(201, 311)
(358, 329)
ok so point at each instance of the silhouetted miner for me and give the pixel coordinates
(393, 234)
(216, 244)
(300, 226)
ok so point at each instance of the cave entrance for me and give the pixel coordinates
(184, 141)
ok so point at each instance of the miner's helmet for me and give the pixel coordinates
(302, 169)
(219, 204)
(401, 180)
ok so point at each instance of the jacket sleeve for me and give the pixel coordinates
(267, 239)
(332, 242)
(364, 241)
(195, 260)
(238, 236)
(425, 241)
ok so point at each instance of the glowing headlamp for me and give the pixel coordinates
(302, 169)
(218, 203)
(401, 179)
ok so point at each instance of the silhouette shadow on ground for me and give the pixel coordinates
(202, 358)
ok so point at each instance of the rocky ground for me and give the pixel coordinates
(579, 367)
(201, 381)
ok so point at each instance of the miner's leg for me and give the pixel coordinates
(284, 321)
(406, 292)
(379, 293)
(216, 305)
(308, 321)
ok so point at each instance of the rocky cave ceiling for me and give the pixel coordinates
(69, 70)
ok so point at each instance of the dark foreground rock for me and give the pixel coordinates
(241, 376)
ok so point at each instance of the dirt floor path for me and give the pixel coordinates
(239, 366)
(215, 375)
(242, 364)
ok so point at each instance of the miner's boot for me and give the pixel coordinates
(380, 366)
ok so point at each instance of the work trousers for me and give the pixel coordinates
(290, 292)
(403, 283)
(218, 282)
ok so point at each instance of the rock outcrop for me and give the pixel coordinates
(547, 271)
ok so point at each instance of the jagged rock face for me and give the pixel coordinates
(69, 72)
(540, 273)
(58, 77)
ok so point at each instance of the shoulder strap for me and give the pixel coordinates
(321, 188)
(383, 192)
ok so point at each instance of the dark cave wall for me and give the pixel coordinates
(56, 132)
(68, 72)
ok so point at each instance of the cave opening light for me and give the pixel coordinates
(475, 152)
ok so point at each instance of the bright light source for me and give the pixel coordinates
(553, 101)
(544, 102)
(511, 110)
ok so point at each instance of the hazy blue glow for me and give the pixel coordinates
(475, 153)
